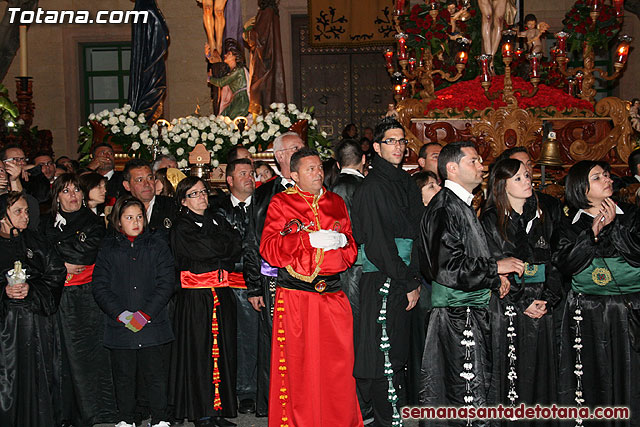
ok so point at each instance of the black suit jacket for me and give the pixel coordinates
(163, 214)
(238, 220)
(114, 185)
(345, 186)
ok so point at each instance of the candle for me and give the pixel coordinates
(622, 51)
(562, 42)
(484, 60)
(571, 86)
(617, 4)
(535, 64)
(507, 50)
(399, 9)
(579, 78)
(462, 57)
(23, 51)
(388, 57)
(433, 5)
(519, 52)
(596, 5)
(412, 64)
(402, 45)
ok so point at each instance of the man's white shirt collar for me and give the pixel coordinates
(350, 171)
(150, 208)
(459, 191)
(235, 201)
(580, 212)
(637, 177)
(109, 174)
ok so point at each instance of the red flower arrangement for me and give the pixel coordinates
(577, 23)
(427, 32)
(469, 94)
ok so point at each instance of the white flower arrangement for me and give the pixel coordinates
(219, 134)
(125, 128)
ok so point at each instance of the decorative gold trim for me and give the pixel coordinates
(618, 136)
(597, 272)
(530, 269)
(495, 124)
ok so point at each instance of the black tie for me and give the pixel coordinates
(242, 214)
(288, 185)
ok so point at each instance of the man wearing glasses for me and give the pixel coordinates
(260, 277)
(34, 184)
(387, 209)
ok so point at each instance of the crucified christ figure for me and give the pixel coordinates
(213, 19)
(493, 20)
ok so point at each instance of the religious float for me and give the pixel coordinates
(512, 96)
(452, 79)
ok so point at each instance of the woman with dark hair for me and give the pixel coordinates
(30, 360)
(234, 100)
(331, 171)
(202, 384)
(350, 131)
(599, 250)
(264, 172)
(516, 225)
(75, 232)
(163, 185)
(94, 188)
(132, 283)
(427, 183)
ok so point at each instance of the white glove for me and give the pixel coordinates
(327, 240)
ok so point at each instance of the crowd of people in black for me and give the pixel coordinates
(141, 294)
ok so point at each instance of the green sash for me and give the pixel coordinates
(443, 296)
(404, 251)
(600, 278)
(533, 273)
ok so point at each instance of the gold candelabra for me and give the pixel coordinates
(412, 71)
(584, 77)
(508, 92)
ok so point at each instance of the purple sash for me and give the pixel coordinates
(268, 270)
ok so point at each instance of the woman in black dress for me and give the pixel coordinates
(518, 225)
(599, 252)
(30, 359)
(75, 232)
(202, 384)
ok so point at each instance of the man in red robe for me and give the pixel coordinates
(307, 235)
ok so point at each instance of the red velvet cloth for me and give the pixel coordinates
(236, 280)
(327, 212)
(312, 381)
(211, 279)
(80, 279)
